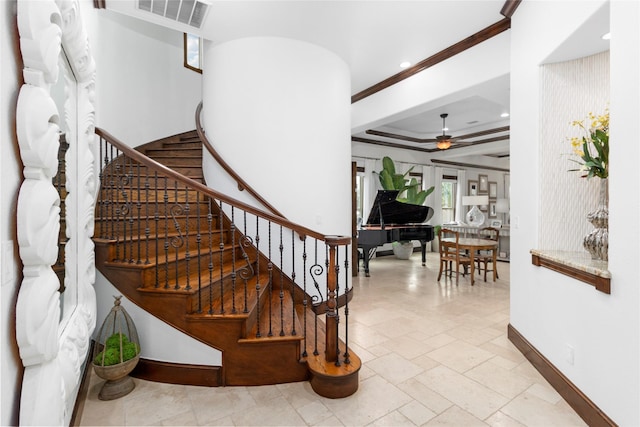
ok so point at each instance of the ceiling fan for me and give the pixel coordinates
(444, 141)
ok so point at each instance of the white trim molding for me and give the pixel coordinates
(53, 353)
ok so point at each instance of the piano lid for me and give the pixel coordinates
(395, 212)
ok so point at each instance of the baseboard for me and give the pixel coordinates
(580, 403)
(177, 373)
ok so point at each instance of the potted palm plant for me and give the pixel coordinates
(409, 191)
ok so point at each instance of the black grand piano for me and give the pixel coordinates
(392, 221)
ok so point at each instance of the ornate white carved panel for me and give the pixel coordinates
(53, 352)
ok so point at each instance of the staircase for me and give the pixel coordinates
(212, 268)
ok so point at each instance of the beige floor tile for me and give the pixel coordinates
(314, 413)
(417, 413)
(407, 347)
(184, 419)
(501, 380)
(456, 417)
(460, 355)
(425, 362)
(393, 419)
(394, 368)
(545, 392)
(374, 399)
(474, 398)
(530, 410)
(499, 419)
(274, 414)
(426, 396)
(167, 403)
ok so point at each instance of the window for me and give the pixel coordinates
(448, 198)
(193, 52)
(360, 196)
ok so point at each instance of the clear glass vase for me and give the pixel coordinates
(597, 241)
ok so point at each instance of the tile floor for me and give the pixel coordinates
(433, 353)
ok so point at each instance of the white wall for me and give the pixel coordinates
(10, 179)
(143, 91)
(283, 126)
(548, 309)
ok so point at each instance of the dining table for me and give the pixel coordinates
(472, 246)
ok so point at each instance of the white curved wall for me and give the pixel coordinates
(278, 111)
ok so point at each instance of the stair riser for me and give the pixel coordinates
(140, 227)
(202, 300)
(122, 196)
(107, 210)
(181, 161)
(175, 152)
(168, 271)
(131, 250)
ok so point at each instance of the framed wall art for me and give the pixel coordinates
(493, 189)
(472, 188)
(483, 184)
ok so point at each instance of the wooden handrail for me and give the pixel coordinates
(155, 166)
(242, 184)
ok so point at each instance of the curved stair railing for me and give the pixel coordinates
(242, 184)
(229, 260)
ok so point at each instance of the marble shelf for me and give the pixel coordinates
(578, 265)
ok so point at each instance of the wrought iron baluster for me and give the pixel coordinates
(198, 241)
(101, 194)
(139, 207)
(119, 208)
(156, 218)
(177, 241)
(210, 266)
(315, 268)
(130, 209)
(147, 230)
(270, 270)
(245, 277)
(347, 356)
(304, 298)
(258, 334)
(333, 299)
(233, 260)
(221, 221)
(187, 256)
(293, 284)
(166, 233)
(281, 249)
(112, 197)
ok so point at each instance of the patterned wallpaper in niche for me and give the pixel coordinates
(569, 91)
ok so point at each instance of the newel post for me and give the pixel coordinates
(332, 319)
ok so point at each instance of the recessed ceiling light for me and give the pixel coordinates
(405, 64)
(445, 129)
(606, 36)
(504, 115)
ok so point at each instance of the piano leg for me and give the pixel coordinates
(423, 244)
(366, 256)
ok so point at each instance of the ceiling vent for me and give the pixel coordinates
(189, 12)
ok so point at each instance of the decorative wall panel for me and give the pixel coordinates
(53, 351)
(570, 90)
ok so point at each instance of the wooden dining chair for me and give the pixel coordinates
(451, 255)
(484, 258)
